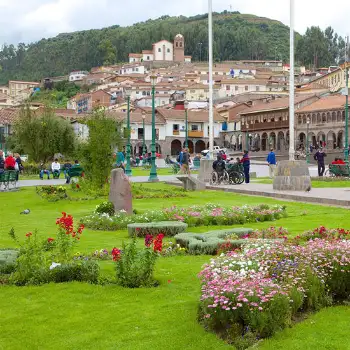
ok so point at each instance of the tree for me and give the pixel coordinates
(96, 153)
(108, 52)
(42, 135)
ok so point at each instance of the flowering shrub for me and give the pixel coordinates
(52, 259)
(105, 208)
(207, 215)
(52, 193)
(260, 289)
(269, 233)
(172, 249)
(135, 267)
(323, 233)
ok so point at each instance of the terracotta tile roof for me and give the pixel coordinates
(325, 103)
(279, 103)
(147, 51)
(136, 117)
(135, 55)
(244, 81)
(193, 115)
(234, 112)
(8, 115)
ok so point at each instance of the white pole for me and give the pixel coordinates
(291, 85)
(211, 114)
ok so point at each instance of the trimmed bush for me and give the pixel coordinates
(7, 260)
(168, 228)
(208, 243)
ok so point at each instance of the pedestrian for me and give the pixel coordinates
(2, 161)
(271, 161)
(246, 166)
(10, 162)
(67, 165)
(320, 156)
(185, 162)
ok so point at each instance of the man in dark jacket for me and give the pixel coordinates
(219, 165)
(246, 166)
(320, 156)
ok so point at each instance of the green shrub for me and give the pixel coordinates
(135, 267)
(82, 271)
(168, 228)
(52, 193)
(209, 242)
(8, 260)
(105, 208)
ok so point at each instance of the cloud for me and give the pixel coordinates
(31, 20)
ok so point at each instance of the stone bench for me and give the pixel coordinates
(191, 184)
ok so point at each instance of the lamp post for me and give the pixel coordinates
(200, 51)
(307, 141)
(143, 141)
(128, 171)
(291, 85)
(346, 149)
(153, 177)
(186, 123)
(211, 110)
(247, 138)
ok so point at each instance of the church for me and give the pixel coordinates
(163, 51)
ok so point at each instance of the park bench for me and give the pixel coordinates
(338, 170)
(76, 172)
(7, 178)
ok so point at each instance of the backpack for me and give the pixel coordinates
(185, 158)
(220, 166)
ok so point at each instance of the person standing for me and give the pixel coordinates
(320, 156)
(271, 161)
(2, 161)
(246, 166)
(185, 162)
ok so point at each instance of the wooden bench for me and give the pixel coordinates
(75, 172)
(7, 178)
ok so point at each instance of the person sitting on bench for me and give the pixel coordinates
(56, 169)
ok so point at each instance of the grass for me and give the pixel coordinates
(315, 183)
(82, 316)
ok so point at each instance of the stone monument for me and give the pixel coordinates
(190, 183)
(292, 176)
(120, 191)
(205, 170)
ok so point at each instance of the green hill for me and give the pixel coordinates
(236, 36)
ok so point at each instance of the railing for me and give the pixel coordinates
(195, 134)
(176, 132)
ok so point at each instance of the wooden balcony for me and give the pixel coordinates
(176, 132)
(265, 126)
(196, 134)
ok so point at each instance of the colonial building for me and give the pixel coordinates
(164, 51)
(84, 103)
(266, 124)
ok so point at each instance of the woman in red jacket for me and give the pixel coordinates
(10, 162)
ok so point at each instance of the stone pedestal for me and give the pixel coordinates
(292, 176)
(190, 183)
(120, 191)
(205, 170)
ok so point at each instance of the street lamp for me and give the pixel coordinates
(247, 137)
(128, 171)
(186, 123)
(153, 177)
(307, 140)
(346, 149)
(200, 51)
(143, 141)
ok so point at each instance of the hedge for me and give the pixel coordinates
(168, 228)
(7, 260)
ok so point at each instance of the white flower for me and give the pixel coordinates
(54, 265)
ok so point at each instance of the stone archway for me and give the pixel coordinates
(280, 141)
(321, 138)
(272, 140)
(190, 146)
(331, 140)
(175, 147)
(158, 148)
(264, 141)
(340, 139)
(255, 145)
(199, 146)
(301, 140)
(312, 139)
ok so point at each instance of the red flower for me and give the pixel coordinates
(66, 223)
(137, 229)
(116, 254)
(77, 186)
(50, 240)
(81, 228)
(158, 243)
(169, 281)
(28, 234)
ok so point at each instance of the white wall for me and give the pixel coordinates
(134, 59)
(163, 45)
(147, 56)
(132, 70)
(148, 131)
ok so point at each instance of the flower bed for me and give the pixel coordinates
(256, 292)
(323, 233)
(207, 215)
(168, 228)
(52, 193)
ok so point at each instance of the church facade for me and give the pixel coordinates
(163, 51)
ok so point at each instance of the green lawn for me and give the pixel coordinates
(315, 183)
(82, 316)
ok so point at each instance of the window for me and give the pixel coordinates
(147, 58)
(133, 69)
(137, 92)
(136, 69)
(193, 91)
(257, 88)
(180, 43)
(143, 93)
(235, 126)
(148, 93)
(140, 133)
(168, 50)
(194, 127)
(236, 88)
(246, 88)
(159, 49)
(177, 44)
(163, 102)
(228, 88)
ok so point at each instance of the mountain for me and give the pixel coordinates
(236, 36)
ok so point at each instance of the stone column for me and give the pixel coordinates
(120, 191)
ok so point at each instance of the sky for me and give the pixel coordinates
(31, 20)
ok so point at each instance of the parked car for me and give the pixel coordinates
(216, 149)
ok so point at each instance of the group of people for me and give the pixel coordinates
(219, 164)
(11, 162)
(56, 169)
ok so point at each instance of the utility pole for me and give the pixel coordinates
(291, 85)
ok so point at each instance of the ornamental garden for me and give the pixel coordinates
(186, 270)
